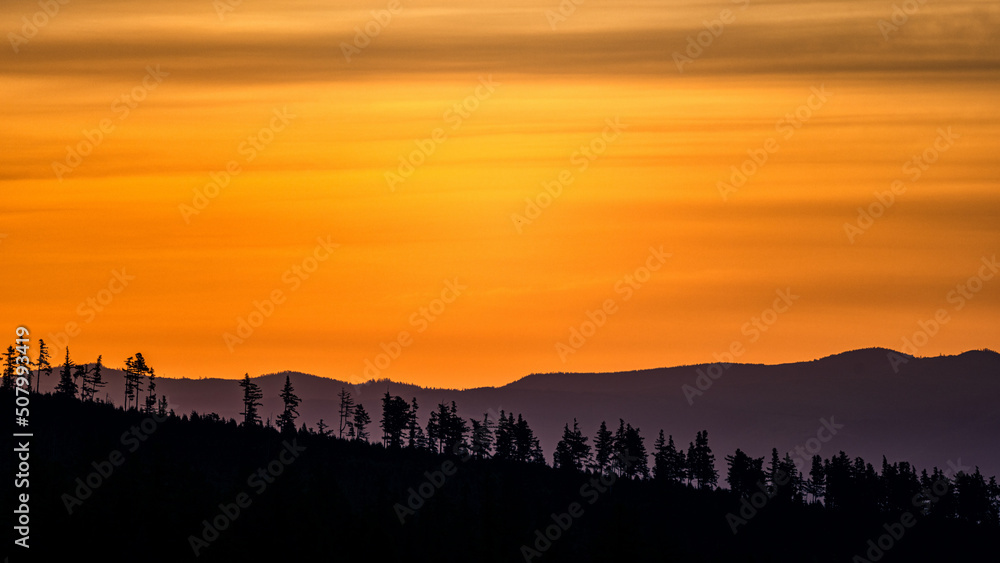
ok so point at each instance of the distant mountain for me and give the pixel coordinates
(928, 411)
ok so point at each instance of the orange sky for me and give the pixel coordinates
(312, 140)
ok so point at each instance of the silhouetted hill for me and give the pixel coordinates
(932, 411)
(123, 486)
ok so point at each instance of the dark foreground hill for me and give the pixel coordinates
(119, 486)
(939, 411)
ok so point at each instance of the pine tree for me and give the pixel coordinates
(744, 473)
(633, 461)
(43, 365)
(251, 400)
(563, 456)
(676, 462)
(135, 370)
(526, 446)
(321, 427)
(433, 432)
(67, 386)
(505, 437)
(361, 422)
(482, 436)
(345, 411)
(817, 478)
(660, 461)
(412, 426)
(603, 445)
(701, 462)
(286, 421)
(96, 380)
(151, 397)
(9, 369)
(395, 418)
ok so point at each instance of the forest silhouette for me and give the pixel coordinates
(137, 480)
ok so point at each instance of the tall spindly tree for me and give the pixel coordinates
(66, 384)
(42, 363)
(345, 411)
(286, 421)
(361, 422)
(251, 400)
(135, 370)
(9, 369)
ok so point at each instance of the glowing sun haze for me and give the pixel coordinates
(502, 96)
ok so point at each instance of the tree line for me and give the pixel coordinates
(837, 483)
(84, 381)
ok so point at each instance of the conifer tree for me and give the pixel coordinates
(286, 420)
(67, 386)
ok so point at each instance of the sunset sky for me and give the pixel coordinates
(260, 96)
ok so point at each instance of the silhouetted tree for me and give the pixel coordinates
(286, 421)
(745, 473)
(972, 495)
(151, 396)
(395, 417)
(135, 369)
(816, 486)
(92, 381)
(361, 422)
(415, 434)
(345, 411)
(9, 369)
(701, 462)
(251, 400)
(67, 386)
(451, 428)
(603, 444)
(526, 447)
(572, 451)
(321, 428)
(505, 437)
(43, 365)
(482, 436)
(630, 453)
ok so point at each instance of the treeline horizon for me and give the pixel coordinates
(837, 482)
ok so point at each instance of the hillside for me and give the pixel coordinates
(933, 411)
